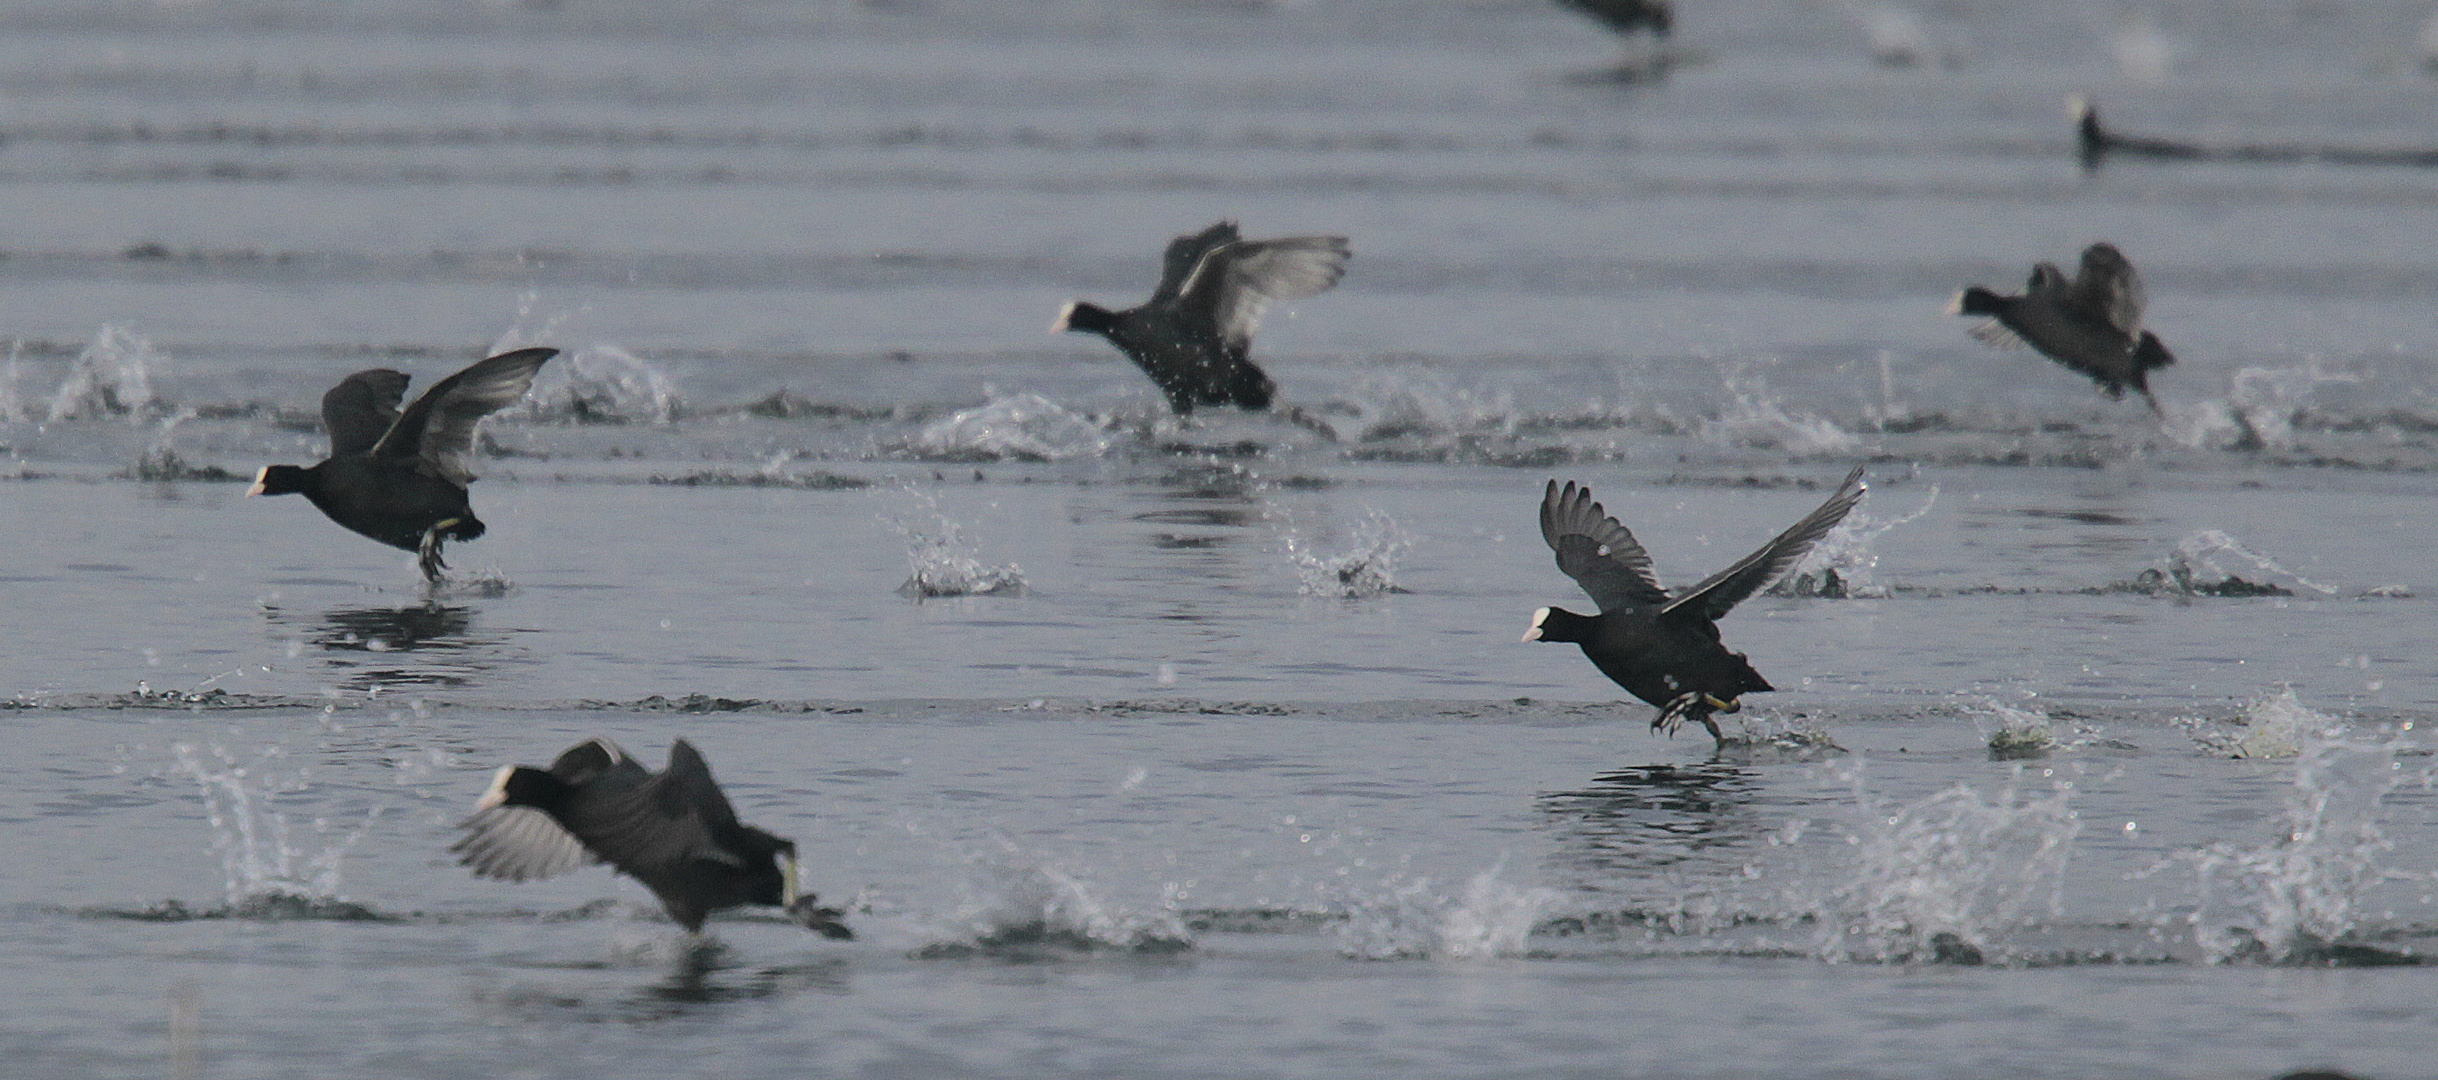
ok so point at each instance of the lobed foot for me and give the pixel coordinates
(427, 553)
(1697, 707)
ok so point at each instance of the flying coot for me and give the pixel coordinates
(1192, 336)
(400, 477)
(2092, 323)
(672, 830)
(1665, 649)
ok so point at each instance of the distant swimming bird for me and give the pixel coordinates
(2092, 323)
(673, 831)
(400, 477)
(1665, 649)
(2095, 143)
(1628, 17)
(1192, 336)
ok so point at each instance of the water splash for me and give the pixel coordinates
(1939, 878)
(1413, 921)
(941, 562)
(263, 872)
(1840, 566)
(2300, 897)
(1025, 426)
(1754, 417)
(2272, 726)
(603, 384)
(2259, 411)
(1368, 568)
(2011, 733)
(1421, 405)
(528, 328)
(1037, 911)
(111, 377)
(12, 406)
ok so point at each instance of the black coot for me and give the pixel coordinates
(672, 830)
(1662, 649)
(2091, 323)
(1193, 335)
(1628, 16)
(400, 477)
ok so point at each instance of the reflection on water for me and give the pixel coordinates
(1651, 817)
(372, 644)
(705, 977)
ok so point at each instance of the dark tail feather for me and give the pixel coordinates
(2150, 355)
(1975, 300)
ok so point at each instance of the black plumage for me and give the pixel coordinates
(672, 830)
(1665, 649)
(2091, 323)
(1628, 16)
(1194, 335)
(400, 477)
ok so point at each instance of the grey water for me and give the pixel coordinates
(1139, 747)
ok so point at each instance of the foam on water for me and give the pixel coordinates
(112, 377)
(2297, 898)
(1368, 567)
(1414, 920)
(1024, 425)
(262, 869)
(1942, 877)
(942, 562)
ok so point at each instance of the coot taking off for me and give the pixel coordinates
(1191, 337)
(2092, 323)
(671, 830)
(1662, 649)
(1628, 16)
(400, 477)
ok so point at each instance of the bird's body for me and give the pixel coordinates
(1664, 648)
(399, 476)
(2091, 323)
(1194, 336)
(674, 831)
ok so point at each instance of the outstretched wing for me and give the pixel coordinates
(439, 426)
(664, 821)
(2109, 287)
(1235, 282)
(1718, 595)
(360, 409)
(518, 843)
(1184, 253)
(1600, 554)
(523, 843)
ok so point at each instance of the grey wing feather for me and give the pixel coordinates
(2110, 287)
(1718, 595)
(1995, 334)
(1598, 552)
(439, 426)
(1234, 283)
(518, 843)
(1184, 253)
(361, 408)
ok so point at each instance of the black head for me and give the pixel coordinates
(1085, 318)
(281, 480)
(1559, 624)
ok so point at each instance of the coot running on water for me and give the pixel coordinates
(672, 830)
(1665, 649)
(1192, 336)
(2092, 323)
(400, 477)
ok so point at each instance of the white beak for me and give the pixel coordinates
(789, 890)
(1534, 632)
(1064, 313)
(259, 474)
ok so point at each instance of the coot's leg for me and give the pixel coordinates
(427, 553)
